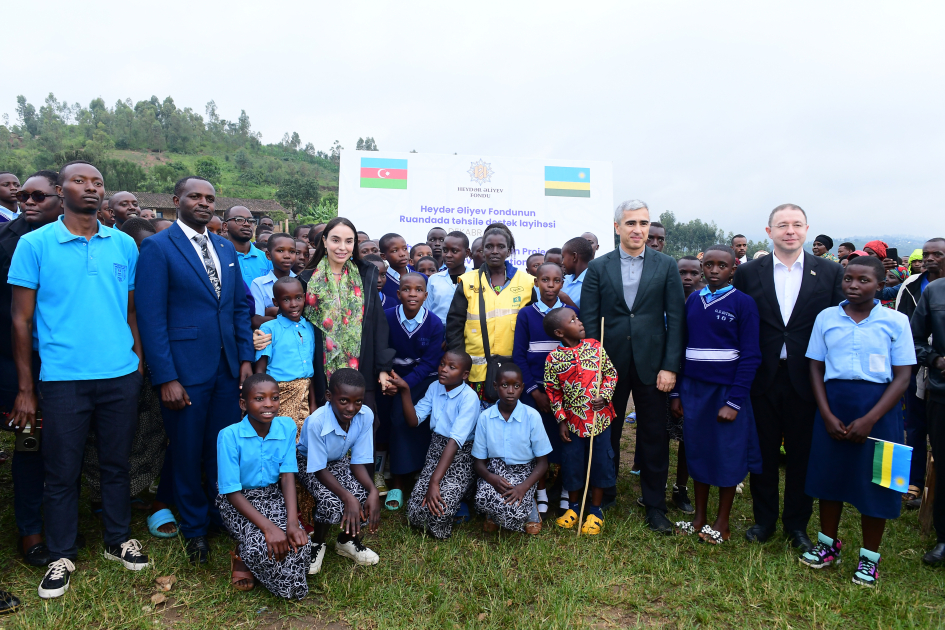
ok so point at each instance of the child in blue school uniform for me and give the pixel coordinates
(394, 250)
(417, 336)
(256, 466)
(530, 348)
(722, 356)
(378, 262)
(280, 249)
(510, 455)
(447, 476)
(861, 357)
(336, 446)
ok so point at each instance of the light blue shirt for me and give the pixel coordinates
(9, 214)
(452, 414)
(254, 264)
(261, 289)
(82, 289)
(411, 324)
(246, 461)
(710, 296)
(323, 440)
(865, 351)
(572, 287)
(291, 351)
(440, 291)
(544, 308)
(518, 440)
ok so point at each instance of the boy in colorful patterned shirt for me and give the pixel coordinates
(580, 382)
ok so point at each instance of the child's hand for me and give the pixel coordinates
(500, 484)
(859, 430)
(372, 507)
(297, 537)
(351, 517)
(396, 382)
(675, 407)
(433, 501)
(514, 495)
(598, 403)
(726, 414)
(277, 544)
(563, 432)
(541, 400)
(835, 429)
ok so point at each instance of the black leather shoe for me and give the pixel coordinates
(658, 522)
(37, 555)
(198, 550)
(681, 500)
(936, 556)
(758, 533)
(799, 539)
(9, 604)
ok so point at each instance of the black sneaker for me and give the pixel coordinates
(9, 603)
(128, 553)
(56, 581)
(681, 500)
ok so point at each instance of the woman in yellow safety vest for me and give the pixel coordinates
(507, 290)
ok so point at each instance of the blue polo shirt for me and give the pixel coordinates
(323, 440)
(865, 351)
(246, 461)
(254, 264)
(291, 351)
(518, 440)
(82, 291)
(452, 414)
(572, 287)
(261, 288)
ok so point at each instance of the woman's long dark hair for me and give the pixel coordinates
(320, 249)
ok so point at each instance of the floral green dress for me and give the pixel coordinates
(337, 310)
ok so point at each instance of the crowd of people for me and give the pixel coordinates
(282, 388)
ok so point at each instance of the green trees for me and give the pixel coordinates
(298, 194)
(366, 144)
(692, 237)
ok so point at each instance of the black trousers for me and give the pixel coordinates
(935, 416)
(652, 436)
(781, 414)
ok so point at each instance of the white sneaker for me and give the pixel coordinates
(380, 484)
(56, 581)
(356, 551)
(128, 553)
(318, 551)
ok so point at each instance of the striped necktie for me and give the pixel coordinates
(201, 240)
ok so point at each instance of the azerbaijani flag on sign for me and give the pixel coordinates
(891, 463)
(383, 173)
(567, 181)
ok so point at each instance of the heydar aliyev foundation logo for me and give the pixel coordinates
(480, 172)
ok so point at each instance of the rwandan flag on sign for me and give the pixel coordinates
(567, 181)
(891, 463)
(383, 173)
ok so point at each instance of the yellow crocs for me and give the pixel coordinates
(567, 520)
(592, 525)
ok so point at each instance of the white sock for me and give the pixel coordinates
(565, 502)
(542, 495)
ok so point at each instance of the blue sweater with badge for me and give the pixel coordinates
(418, 352)
(532, 345)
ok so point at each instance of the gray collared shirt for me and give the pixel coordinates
(631, 269)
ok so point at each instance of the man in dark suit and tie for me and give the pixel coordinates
(198, 346)
(638, 292)
(790, 288)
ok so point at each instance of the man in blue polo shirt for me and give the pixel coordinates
(78, 276)
(239, 224)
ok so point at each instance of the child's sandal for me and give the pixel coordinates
(533, 528)
(685, 528)
(568, 520)
(711, 536)
(238, 576)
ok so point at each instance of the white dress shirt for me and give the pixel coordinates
(787, 284)
(190, 234)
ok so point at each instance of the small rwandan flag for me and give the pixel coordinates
(891, 463)
(567, 181)
(383, 173)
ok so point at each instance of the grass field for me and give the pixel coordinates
(627, 577)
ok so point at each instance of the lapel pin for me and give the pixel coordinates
(813, 273)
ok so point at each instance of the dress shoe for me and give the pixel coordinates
(198, 550)
(799, 539)
(936, 556)
(37, 555)
(758, 533)
(681, 500)
(658, 522)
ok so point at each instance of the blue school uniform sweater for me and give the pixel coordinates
(722, 343)
(532, 345)
(419, 351)
(391, 287)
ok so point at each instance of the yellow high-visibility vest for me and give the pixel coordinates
(501, 313)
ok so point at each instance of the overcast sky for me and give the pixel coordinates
(713, 110)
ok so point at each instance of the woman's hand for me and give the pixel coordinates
(261, 339)
(541, 400)
(835, 429)
(514, 495)
(433, 501)
(372, 508)
(564, 432)
(297, 538)
(675, 407)
(859, 430)
(384, 379)
(277, 544)
(726, 414)
(351, 517)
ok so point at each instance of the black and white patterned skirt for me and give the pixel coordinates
(329, 507)
(490, 503)
(455, 485)
(285, 579)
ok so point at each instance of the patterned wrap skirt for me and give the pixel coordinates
(454, 487)
(491, 503)
(329, 507)
(293, 403)
(285, 579)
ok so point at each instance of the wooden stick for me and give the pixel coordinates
(590, 453)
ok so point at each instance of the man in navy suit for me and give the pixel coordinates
(198, 346)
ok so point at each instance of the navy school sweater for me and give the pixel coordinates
(418, 352)
(532, 346)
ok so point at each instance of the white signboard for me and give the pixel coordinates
(545, 202)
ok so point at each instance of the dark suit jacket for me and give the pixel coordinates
(10, 233)
(183, 325)
(652, 332)
(820, 289)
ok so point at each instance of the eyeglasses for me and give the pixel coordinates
(39, 197)
(241, 221)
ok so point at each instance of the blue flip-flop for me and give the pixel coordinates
(394, 496)
(162, 517)
(462, 514)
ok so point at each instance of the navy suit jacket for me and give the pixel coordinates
(183, 325)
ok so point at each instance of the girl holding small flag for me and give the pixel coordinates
(861, 356)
